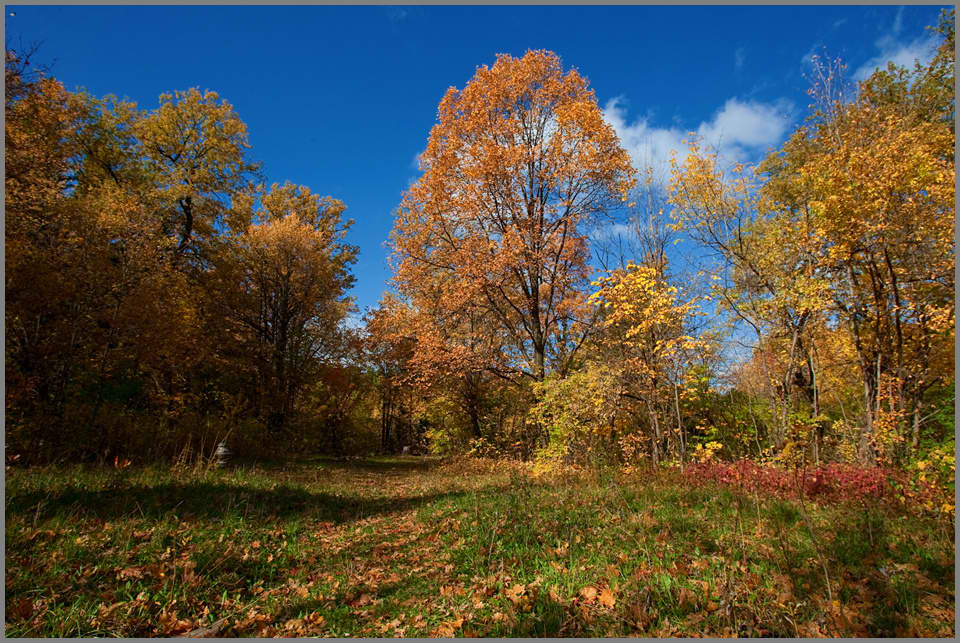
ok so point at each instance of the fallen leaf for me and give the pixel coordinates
(203, 632)
(607, 599)
(22, 609)
(130, 572)
(515, 592)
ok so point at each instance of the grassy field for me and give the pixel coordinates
(428, 547)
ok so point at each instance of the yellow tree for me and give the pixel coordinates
(862, 199)
(93, 309)
(883, 195)
(873, 172)
(194, 146)
(646, 323)
(768, 272)
(121, 227)
(518, 162)
(47, 306)
(282, 284)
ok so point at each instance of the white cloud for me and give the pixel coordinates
(748, 124)
(354, 321)
(740, 130)
(621, 230)
(739, 57)
(839, 23)
(648, 146)
(902, 53)
(396, 14)
(899, 52)
(612, 234)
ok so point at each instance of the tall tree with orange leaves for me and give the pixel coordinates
(518, 164)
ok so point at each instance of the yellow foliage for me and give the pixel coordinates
(706, 452)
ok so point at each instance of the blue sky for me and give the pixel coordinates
(342, 99)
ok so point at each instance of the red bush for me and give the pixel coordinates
(832, 481)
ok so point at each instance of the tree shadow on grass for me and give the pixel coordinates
(380, 464)
(383, 463)
(210, 501)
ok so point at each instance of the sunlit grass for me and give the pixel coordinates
(419, 547)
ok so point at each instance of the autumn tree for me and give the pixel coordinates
(883, 191)
(164, 179)
(495, 228)
(388, 351)
(121, 333)
(582, 413)
(848, 227)
(430, 356)
(872, 172)
(647, 326)
(195, 146)
(767, 270)
(37, 127)
(89, 293)
(282, 283)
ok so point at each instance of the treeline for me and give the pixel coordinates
(159, 295)
(816, 326)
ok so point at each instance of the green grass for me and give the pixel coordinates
(421, 547)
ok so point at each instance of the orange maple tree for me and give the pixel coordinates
(518, 164)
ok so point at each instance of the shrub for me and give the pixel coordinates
(575, 416)
(835, 481)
